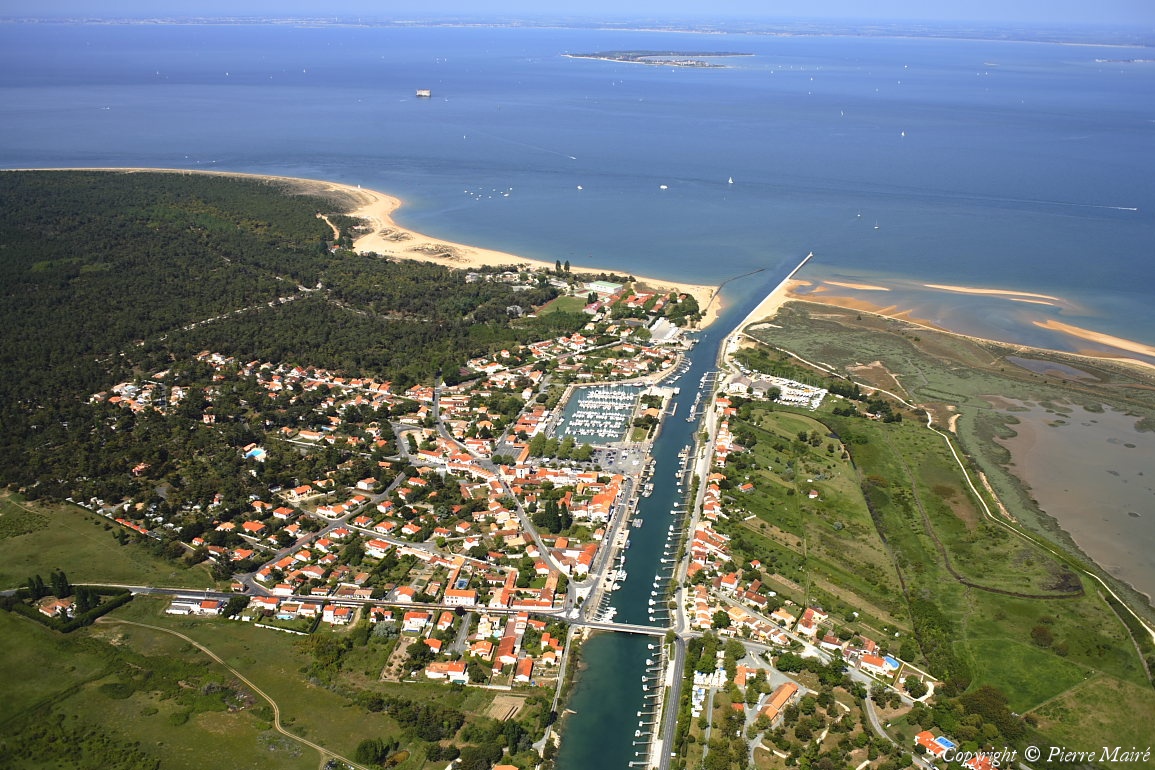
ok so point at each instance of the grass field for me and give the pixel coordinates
(276, 663)
(564, 304)
(1101, 711)
(1026, 673)
(825, 542)
(74, 676)
(38, 539)
(31, 650)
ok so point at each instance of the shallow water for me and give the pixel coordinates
(1092, 472)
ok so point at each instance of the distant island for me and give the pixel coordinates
(661, 58)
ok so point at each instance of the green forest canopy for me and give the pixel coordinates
(108, 274)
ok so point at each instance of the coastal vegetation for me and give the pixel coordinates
(998, 612)
(972, 386)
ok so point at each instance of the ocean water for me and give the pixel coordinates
(1008, 165)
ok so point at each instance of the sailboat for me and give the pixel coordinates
(731, 181)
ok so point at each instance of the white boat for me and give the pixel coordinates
(730, 181)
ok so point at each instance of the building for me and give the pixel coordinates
(603, 287)
(934, 746)
(453, 670)
(778, 701)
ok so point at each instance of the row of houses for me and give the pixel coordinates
(788, 391)
(498, 643)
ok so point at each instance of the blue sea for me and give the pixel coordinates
(900, 161)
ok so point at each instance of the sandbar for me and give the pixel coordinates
(387, 238)
(1131, 346)
(859, 286)
(997, 292)
(1010, 294)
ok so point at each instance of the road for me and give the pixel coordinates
(672, 702)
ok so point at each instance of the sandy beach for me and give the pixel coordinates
(781, 294)
(387, 238)
(769, 307)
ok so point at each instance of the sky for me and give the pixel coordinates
(1043, 12)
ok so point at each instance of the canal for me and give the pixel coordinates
(615, 703)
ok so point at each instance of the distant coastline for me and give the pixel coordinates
(1114, 35)
(690, 59)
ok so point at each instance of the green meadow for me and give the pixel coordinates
(38, 538)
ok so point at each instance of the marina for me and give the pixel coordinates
(616, 661)
(600, 414)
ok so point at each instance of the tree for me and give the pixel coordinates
(60, 585)
(419, 655)
(915, 687)
(477, 672)
(991, 704)
(721, 619)
(372, 751)
(479, 757)
(36, 587)
(86, 599)
(235, 606)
